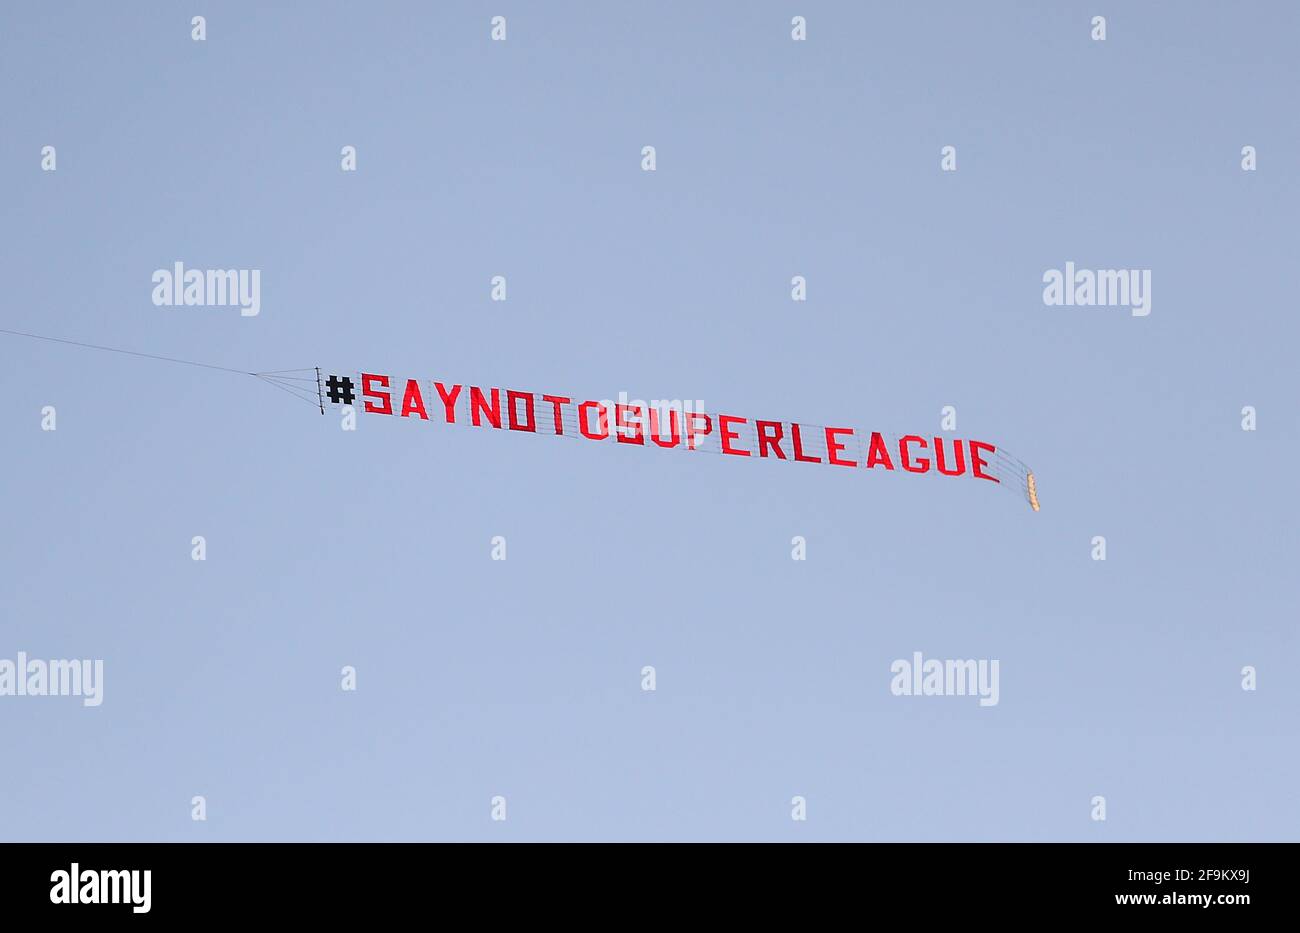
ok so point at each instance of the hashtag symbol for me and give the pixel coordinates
(340, 390)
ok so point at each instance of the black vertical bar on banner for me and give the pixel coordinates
(320, 395)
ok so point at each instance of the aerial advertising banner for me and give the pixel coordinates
(676, 426)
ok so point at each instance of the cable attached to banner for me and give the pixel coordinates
(278, 378)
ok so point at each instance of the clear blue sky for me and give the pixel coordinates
(522, 678)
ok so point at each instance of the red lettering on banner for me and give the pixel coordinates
(765, 441)
(939, 458)
(976, 463)
(511, 408)
(797, 440)
(448, 400)
(879, 453)
(724, 430)
(412, 401)
(638, 434)
(904, 456)
(691, 432)
(604, 421)
(632, 423)
(675, 436)
(478, 406)
(366, 380)
(557, 401)
(833, 447)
